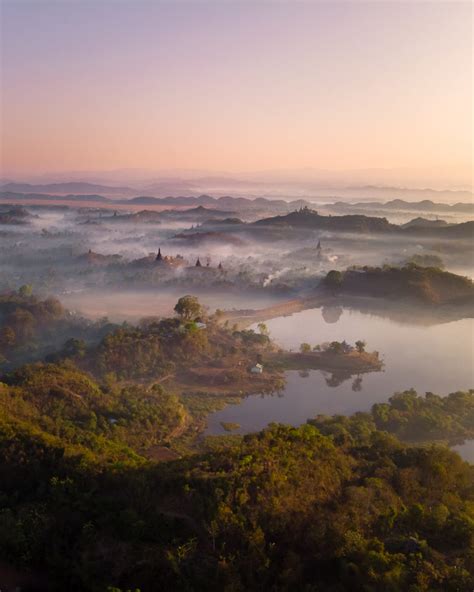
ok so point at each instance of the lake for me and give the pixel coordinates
(436, 358)
(466, 450)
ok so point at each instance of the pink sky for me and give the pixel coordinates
(235, 86)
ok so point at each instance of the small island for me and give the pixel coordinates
(333, 357)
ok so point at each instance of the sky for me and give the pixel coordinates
(235, 86)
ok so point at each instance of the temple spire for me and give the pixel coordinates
(159, 257)
(198, 263)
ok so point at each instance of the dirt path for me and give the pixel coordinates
(245, 318)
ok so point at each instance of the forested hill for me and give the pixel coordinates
(359, 223)
(429, 285)
(337, 506)
(306, 218)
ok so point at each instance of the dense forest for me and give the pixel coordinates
(372, 502)
(344, 507)
(428, 285)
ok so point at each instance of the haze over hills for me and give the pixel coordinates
(234, 203)
(190, 201)
(69, 188)
(425, 205)
(306, 183)
(439, 177)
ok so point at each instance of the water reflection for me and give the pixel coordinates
(437, 358)
(331, 314)
(357, 384)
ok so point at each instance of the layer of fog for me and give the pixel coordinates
(50, 252)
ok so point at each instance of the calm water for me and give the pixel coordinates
(437, 358)
(466, 450)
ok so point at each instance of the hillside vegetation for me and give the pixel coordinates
(430, 285)
(338, 504)
(307, 218)
(335, 506)
(361, 224)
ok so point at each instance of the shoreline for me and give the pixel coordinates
(213, 393)
(403, 312)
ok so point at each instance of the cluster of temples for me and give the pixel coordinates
(171, 260)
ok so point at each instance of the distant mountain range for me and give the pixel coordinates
(228, 203)
(299, 186)
(425, 205)
(220, 202)
(415, 193)
(297, 214)
(196, 213)
(15, 196)
(152, 216)
(65, 189)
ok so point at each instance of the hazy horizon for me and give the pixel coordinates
(438, 179)
(347, 93)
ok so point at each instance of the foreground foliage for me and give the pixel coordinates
(338, 504)
(342, 506)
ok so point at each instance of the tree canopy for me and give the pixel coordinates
(188, 308)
